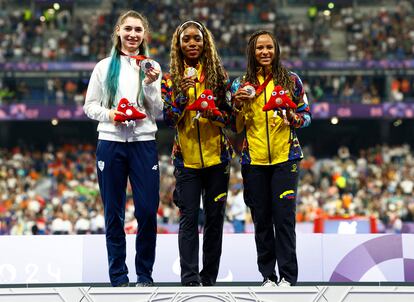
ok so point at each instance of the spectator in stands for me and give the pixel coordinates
(83, 224)
(237, 208)
(201, 151)
(127, 150)
(374, 178)
(98, 223)
(270, 156)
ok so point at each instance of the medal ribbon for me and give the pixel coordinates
(262, 87)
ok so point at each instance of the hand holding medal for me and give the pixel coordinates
(246, 93)
(146, 65)
(189, 79)
(149, 68)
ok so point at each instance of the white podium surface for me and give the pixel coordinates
(82, 259)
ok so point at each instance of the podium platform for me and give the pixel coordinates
(323, 293)
(344, 268)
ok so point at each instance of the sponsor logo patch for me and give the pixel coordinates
(289, 194)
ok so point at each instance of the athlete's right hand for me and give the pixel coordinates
(112, 113)
(186, 83)
(241, 96)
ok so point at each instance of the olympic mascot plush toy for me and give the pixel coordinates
(131, 113)
(279, 101)
(204, 102)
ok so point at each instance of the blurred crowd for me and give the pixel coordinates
(340, 89)
(65, 35)
(378, 181)
(53, 90)
(358, 89)
(56, 191)
(71, 34)
(378, 35)
(68, 34)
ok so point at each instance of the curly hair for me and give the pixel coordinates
(215, 74)
(280, 72)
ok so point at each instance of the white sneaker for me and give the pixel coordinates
(284, 283)
(269, 283)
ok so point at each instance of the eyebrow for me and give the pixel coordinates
(138, 26)
(193, 35)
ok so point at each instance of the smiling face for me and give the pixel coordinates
(192, 45)
(131, 33)
(265, 50)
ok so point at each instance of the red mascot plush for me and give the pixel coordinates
(279, 100)
(131, 113)
(204, 102)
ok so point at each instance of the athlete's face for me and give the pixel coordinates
(191, 42)
(131, 32)
(265, 50)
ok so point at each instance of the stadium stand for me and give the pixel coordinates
(352, 54)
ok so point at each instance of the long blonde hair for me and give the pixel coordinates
(215, 74)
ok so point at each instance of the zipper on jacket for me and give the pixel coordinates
(267, 126)
(125, 130)
(199, 143)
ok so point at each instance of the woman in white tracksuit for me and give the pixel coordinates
(127, 150)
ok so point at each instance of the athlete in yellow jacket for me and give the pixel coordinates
(201, 151)
(270, 155)
(266, 143)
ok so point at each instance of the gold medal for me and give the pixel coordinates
(191, 73)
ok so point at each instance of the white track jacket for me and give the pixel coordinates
(96, 98)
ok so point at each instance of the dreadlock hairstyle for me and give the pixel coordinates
(112, 77)
(280, 72)
(214, 74)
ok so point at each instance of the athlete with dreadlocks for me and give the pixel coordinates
(201, 151)
(127, 150)
(270, 155)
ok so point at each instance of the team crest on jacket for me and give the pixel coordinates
(101, 165)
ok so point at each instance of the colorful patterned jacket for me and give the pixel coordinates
(200, 143)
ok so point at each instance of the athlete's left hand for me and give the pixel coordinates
(290, 114)
(207, 113)
(151, 75)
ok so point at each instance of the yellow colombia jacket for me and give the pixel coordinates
(264, 143)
